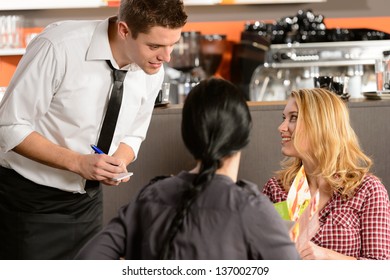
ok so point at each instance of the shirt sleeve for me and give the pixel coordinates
(142, 121)
(110, 243)
(266, 232)
(29, 93)
(375, 223)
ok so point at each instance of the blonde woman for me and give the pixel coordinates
(354, 209)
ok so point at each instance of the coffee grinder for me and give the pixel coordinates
(185, 58)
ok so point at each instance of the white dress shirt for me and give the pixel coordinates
(61, 89)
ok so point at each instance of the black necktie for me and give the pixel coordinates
(113, 108)
(112, 112)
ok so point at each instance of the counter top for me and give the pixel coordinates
(272, 105)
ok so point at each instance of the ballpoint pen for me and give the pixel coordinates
(120, 176)
(96, 149)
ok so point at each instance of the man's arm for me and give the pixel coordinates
(89, 166)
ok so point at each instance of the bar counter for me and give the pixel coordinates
(163, 152)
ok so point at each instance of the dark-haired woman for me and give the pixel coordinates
(204, 213)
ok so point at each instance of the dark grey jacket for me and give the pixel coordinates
(227, 221)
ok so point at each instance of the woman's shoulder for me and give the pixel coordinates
(273, 182)
(253, 200)
(248, 186)
(248, 195)
(371, 185)
(224, 193)
(162, 187)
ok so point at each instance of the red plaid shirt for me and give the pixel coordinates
(358, 227)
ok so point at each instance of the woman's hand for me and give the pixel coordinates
(311, 251)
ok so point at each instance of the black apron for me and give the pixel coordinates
(43, 223)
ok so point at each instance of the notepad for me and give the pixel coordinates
(122, 176)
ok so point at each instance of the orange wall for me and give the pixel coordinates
(232, 29)
(8, 63)
(377, 23)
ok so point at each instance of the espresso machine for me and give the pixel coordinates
(303, 48)
(293, 66)
(195, 57)
(212, 49)
(184, 70)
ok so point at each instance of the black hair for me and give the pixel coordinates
(216, 123)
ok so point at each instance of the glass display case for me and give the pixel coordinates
(293, 66)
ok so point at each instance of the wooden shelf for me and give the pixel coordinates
(11, 52)
(49, 4)
(78, 4)
(249, 2)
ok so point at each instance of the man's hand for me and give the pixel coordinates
(101, 167)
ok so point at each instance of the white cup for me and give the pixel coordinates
(163, 94)
(382, 72)
(11, 31)
(2, 92)
(165, 91)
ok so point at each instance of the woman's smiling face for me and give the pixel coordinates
(287, 128)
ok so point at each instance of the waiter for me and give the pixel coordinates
(55, 107)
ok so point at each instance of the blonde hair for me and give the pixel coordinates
(323, 122)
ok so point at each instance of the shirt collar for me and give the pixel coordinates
(99, 48)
